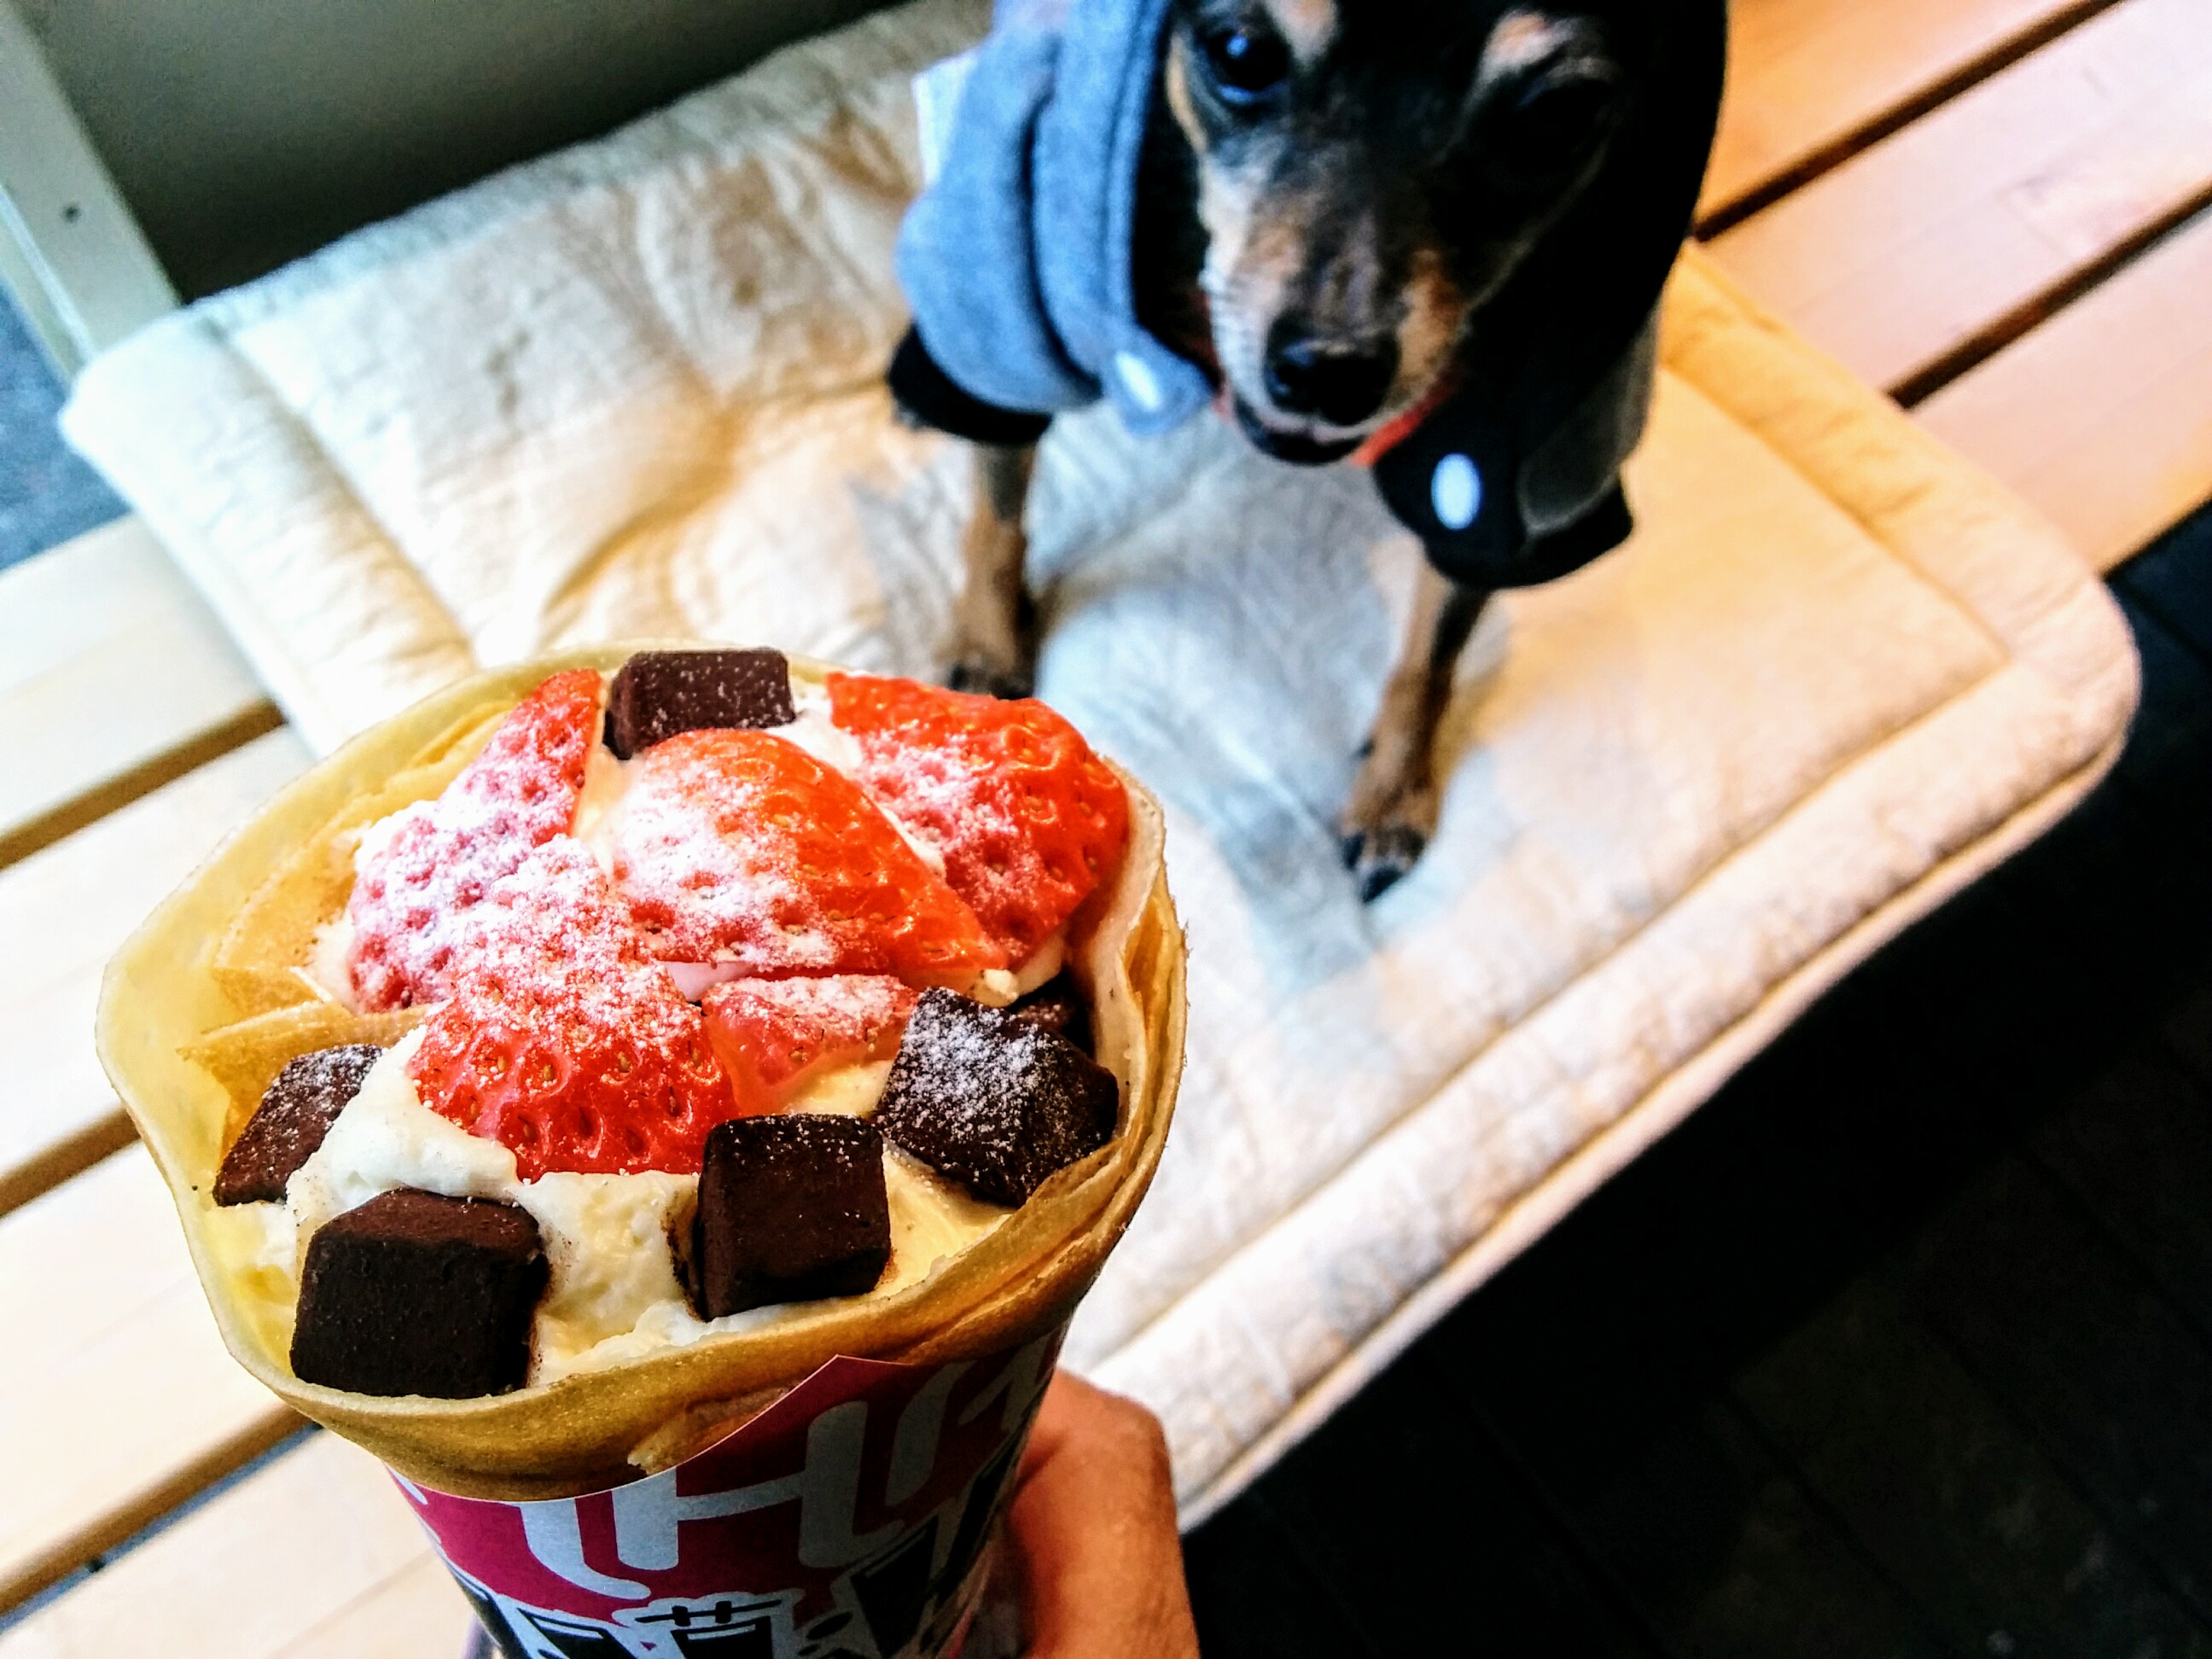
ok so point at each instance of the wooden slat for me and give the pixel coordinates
(1932, 250)
(416, 1610)
(315, 1556)
(114, 678)
(1810, 81)
(63, 913)
(117, 1400)
(2103, 416)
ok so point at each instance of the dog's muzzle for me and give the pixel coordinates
(1298, 448)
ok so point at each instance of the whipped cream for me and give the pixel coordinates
(820, 736)
(330, 961)
(612, 1293)
(606, 782)
(846, 1090)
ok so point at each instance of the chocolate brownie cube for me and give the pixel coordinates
(1057, 1007)
(792, 1207)
(992, 1100)
(657, 694)
(414, 1293)
(286, 1127)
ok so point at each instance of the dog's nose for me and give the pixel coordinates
(1340, 384)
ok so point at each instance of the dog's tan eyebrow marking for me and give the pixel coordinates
(1522, 39)
(1307, 25)
(1179, 102)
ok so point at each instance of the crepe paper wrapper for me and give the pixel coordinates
(856, 1515)
(202, 1006)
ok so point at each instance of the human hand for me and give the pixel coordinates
(1092, 1532)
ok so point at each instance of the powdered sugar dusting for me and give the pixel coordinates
(737, 847)
(850, 1004)
(1028, 821)
(563, 1040)
(963, 1075)
(991, 1101)
(421, 873)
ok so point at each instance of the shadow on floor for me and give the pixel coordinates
(1902, 1346)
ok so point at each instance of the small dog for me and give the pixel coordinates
(1428, 234)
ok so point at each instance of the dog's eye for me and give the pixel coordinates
(1246, 63)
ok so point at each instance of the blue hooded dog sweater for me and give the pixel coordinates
(1016, 260)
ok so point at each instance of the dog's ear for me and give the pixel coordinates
(1548, 94)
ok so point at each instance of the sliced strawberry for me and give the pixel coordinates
(563, 1039)
(776, 1036)
(433, 864)
(1026, 819)
(740, 847)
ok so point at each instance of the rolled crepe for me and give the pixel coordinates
(207, 1002)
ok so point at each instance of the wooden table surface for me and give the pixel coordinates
(1999, 210)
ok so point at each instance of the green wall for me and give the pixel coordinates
(245, 132)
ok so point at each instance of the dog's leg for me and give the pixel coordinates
(1393, 809)
(994, 645)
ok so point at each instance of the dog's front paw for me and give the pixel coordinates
(991, 680)
(1381, 857)
(1384, 831)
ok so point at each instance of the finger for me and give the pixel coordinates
(1093, 1530)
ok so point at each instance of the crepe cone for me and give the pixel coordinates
(205, 1002)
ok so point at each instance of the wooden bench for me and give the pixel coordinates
(1997, 209)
